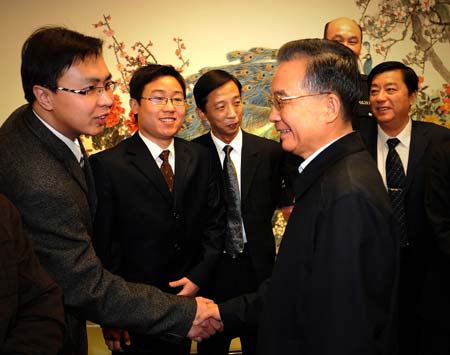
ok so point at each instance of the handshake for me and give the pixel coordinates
(207, 320)
(206, 323)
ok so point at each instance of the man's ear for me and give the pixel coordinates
(334, 107)
(134, 105)
(412, 98)
(43, 97)
(201, 114)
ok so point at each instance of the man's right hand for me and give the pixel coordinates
(207, 320)
(113, 336)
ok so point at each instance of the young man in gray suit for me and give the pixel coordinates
(45, 173)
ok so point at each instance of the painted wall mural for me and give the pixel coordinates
(423, 26)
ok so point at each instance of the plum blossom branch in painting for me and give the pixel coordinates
(119, 124)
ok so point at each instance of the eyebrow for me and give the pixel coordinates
(164, 91)
(96, 79)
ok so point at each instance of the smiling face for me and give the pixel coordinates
(301, 122)
(160, 123)
(223, 110)
(390, 101)
(73, 114)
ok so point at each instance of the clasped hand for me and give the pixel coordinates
(207, 320)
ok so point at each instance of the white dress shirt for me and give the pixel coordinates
(155, 150)
(235, 156)
(402, 149)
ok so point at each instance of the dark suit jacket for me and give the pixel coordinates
(333, 288)
(424, 136)
(41, 176)
(436, 297)
(145, 233)
(260, 185)
(32, 316)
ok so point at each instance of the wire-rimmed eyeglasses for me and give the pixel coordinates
(108, 88)
(278, 102)
(161, 101)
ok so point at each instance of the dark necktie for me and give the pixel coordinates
(234, 242)
(166, 169)
(395, 179)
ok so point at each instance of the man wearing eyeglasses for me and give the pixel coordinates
(160, 215)
(44, 172)
(333, 286)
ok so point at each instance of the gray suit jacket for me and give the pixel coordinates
(41, 176)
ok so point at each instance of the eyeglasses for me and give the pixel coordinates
(278, 102)
(161, 101)
(109, 88)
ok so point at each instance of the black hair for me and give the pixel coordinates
(49, 52)
(210, 81)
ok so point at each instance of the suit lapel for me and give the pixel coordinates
(142, 159)
(58, 149)
(250, 160)
(417, 148)
(183, 160)
(90, 183)
(349, 144)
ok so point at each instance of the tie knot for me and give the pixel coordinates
(392, 142)
(164, 155)
(227, 149)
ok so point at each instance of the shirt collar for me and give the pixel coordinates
(306, 162)
(74, 146)
(236, 143)
(404, 136)
(155, 149)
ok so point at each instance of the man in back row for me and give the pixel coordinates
(45, 173)
(401, 148)
(251, 175)
(347, 32)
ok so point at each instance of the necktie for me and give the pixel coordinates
(234, 241)
(166, 169)
(395, 178)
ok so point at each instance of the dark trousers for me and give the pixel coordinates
(148, 345)
(233, 278)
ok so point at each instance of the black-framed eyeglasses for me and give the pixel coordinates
(278, 102)
(109, 88)
(161, 101)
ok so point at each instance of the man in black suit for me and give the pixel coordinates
(349, 33)
(436, 295)
(393, 89)
(32, 314)
(257, 164)
(151, 228)
(333, 287)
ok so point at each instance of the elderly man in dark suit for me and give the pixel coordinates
(69, 92)
(151, 228)
(333, 287)
(394, 137)
(32, 315)
(257, 164)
